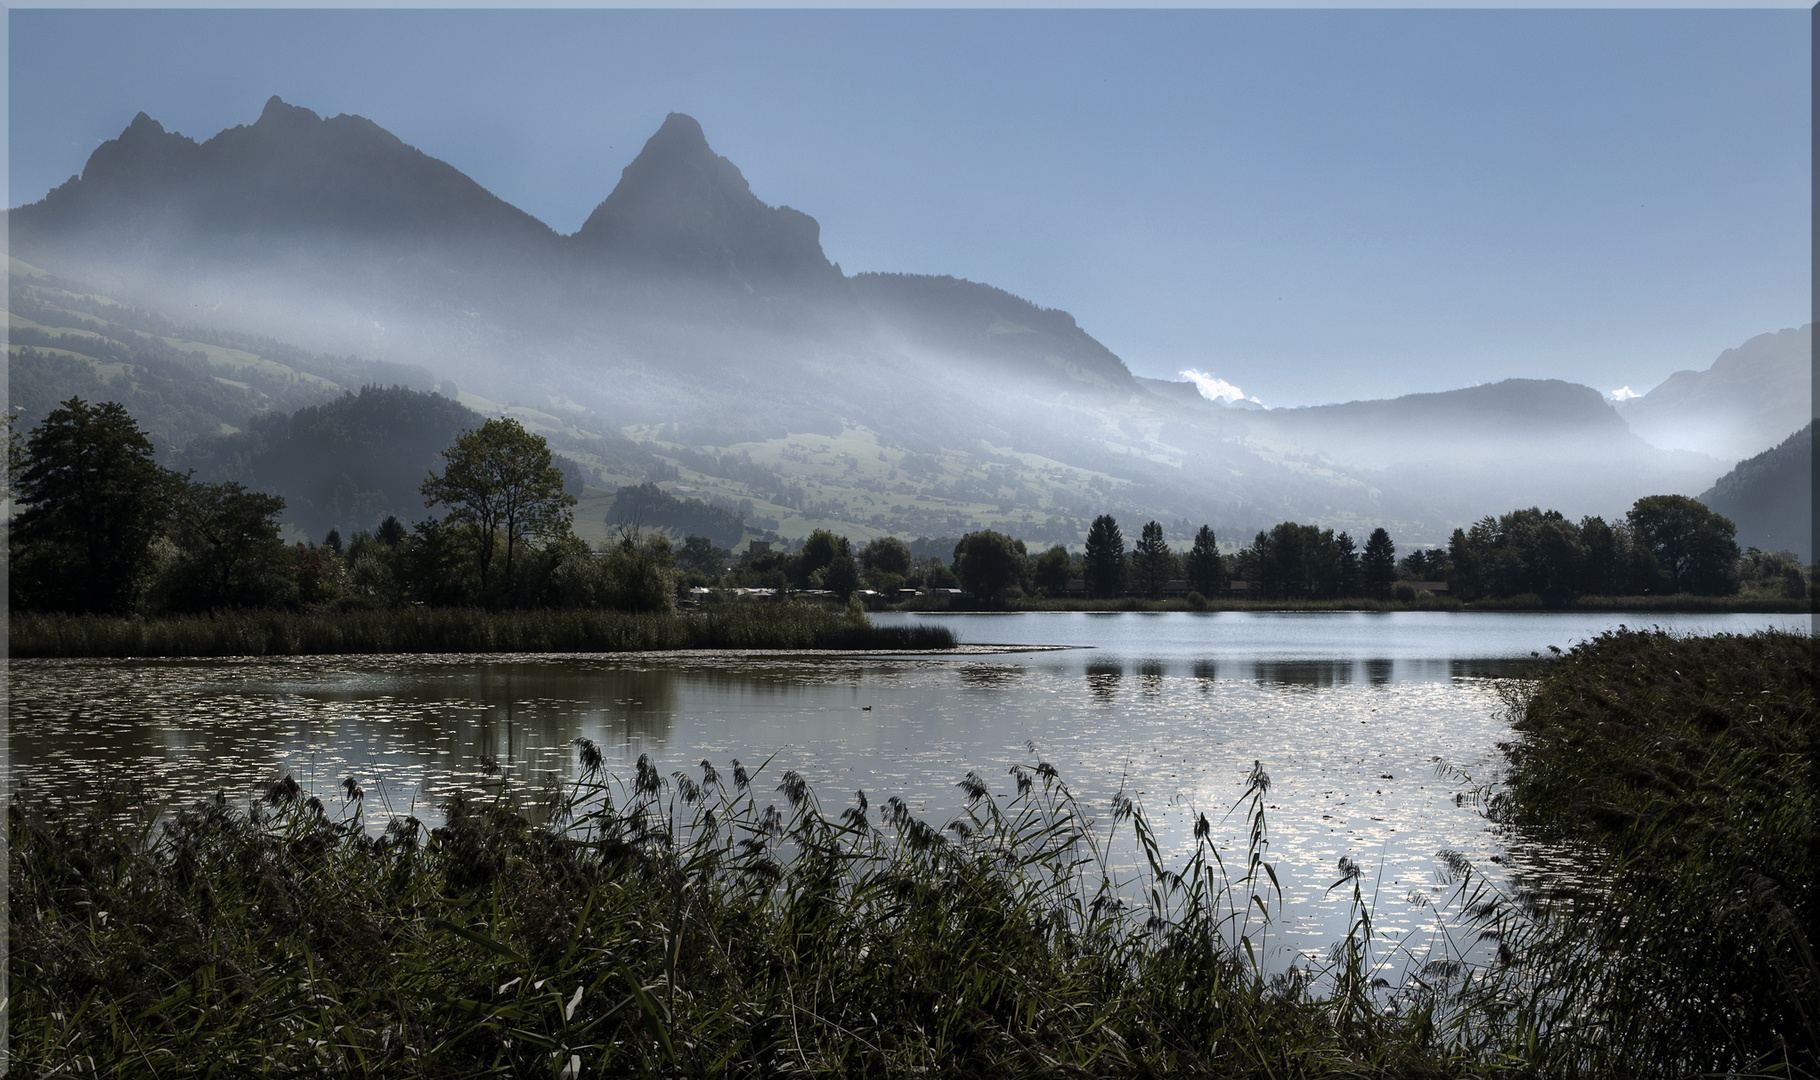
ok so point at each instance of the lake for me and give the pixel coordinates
(1367, 723)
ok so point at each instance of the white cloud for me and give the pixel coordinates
(1216, 389)
(1623, 393)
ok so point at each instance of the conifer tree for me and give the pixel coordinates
(1105, 558)
(1379, 564)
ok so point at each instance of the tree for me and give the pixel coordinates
(1205, 569)
(1602, 570)
(1104, 563)
(1347, 562)
(887, 555)
(988, 563)
(230, 539)
(500, 477)
(94, 501)
(641, 572)
(842, 575)
(701, 555)
(1463, 578)
(820, 550)
(1378, 566)
(1054, 570)
(1152, 562)
(1694, 548)
(1295, 561)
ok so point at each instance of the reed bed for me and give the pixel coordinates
(702, 924)
(1689, 767)
(461, 630)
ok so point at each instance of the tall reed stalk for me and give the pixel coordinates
(701, 924)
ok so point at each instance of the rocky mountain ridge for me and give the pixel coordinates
(701, 323)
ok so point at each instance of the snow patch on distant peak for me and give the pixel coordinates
(1214, 388)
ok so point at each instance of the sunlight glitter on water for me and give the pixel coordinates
(1172, 711)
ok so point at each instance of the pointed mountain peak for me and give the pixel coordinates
(683, 209)
(680, 130)
(142, 126)
(278, 114)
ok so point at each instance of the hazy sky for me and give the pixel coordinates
(1312, 206)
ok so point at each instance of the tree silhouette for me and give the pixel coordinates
(1054, 570)
(1205, 568)
(1379, 564)
(94, 501)
(1152, 561)
(1694, 547)
(989, 562)
(1105, 557)
(500, 477)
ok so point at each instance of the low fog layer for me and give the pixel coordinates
(688, 325)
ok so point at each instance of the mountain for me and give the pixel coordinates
(694, 335)
(291, 173)
(1546, 418)
(1748, 399)
(1771, 497)
(347, 463)
(682, 211)
(180, 381)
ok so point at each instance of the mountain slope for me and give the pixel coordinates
(680, 210)
(1771, 497)
(693, 334)
(65, 339)
(290, 175)
(1749, 398)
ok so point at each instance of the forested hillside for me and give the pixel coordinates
(1771, 496)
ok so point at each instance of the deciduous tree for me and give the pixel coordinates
(1054, 570)
(500, 479)
(93, 502)
(988, 563)
(1694, 547)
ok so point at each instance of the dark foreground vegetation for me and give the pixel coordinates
(696, 925)
(458, 630)
(1692, 764)
(711, 924)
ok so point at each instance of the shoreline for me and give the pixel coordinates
(1620, 605)
(966, 650)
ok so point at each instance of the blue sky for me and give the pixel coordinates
(1312, 206)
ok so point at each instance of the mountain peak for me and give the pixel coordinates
(142, 126)
(681, 130)
(681, 209)
(282, 120)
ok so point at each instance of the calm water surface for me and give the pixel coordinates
(1353, 715)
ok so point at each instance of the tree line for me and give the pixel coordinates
(100, 527)
(1664, 545)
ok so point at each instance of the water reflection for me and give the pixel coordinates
(1351, 737)
(990, 676)
(1150, 678)
(1103, 680)
(1316, 674)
